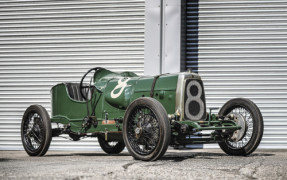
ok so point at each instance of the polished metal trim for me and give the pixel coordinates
(180, 90)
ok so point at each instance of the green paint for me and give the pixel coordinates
(115, 92)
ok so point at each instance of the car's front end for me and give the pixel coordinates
(191, 120)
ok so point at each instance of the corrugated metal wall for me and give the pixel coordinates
(44, 42)
(242, 52)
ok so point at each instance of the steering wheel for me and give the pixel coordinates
(82, 87)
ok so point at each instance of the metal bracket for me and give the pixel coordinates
(209, 115)
(106, 134)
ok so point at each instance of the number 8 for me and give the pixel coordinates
(196, 98)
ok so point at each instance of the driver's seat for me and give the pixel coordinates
(74, 91)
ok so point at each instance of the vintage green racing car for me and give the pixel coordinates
(144, 114)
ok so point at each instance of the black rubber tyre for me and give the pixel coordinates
(111, 148)
(147, 117)
(255, 125)
(36, 132)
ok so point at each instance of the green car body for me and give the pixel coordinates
(115, 93)
(122, 107)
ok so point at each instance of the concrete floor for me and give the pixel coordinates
(176, 164)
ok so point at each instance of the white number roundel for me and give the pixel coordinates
(121, 85)
(195, 98)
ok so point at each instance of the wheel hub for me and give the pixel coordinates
(138, 132)
(240, 133)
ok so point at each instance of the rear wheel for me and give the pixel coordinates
(146, 129)
(36, 133)
(114, 147)
(249, 116)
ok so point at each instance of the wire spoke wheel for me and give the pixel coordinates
(36, 131)
(33, 131)
(146, 129)
(249, 130)
(253, 127)
(143, 130)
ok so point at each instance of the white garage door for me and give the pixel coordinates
(44, 42)
(242, 52)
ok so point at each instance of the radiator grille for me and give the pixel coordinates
(194, 98)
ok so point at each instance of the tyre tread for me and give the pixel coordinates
(47, 126)
(163, 120)
(254, 142)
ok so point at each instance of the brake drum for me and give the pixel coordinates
(240, 133)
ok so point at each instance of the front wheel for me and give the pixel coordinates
(36, 132)
(146, 129)
(250, 118)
